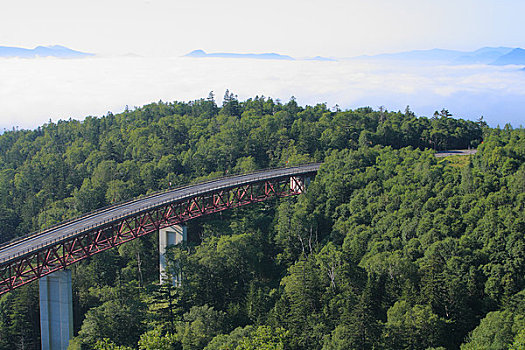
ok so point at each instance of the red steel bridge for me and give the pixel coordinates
(43, 253)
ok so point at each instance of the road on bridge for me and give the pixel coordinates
(64, 231)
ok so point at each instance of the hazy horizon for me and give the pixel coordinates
(357, 55)
(36, 90)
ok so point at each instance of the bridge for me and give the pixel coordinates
(51, 251)
(37, 255)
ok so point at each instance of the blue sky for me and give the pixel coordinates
(295, 27)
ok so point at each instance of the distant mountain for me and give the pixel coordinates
(484, 55)
(516, 56)
(320, 58)
(42, 51)
(439, 55)
(260, 56)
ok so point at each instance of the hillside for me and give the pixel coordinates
(390, 247)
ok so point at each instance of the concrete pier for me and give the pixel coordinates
(56, 310)
(299, 184)
(171, 235)
(296, 184)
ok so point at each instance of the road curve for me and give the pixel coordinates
(74, 227)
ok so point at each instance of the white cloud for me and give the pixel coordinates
(33, 91)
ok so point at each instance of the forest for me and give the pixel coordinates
(389, 247)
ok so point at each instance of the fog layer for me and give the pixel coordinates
(32, 91)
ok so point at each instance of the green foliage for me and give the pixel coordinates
(412, 327)
(250, 337)
(300, 306)
(519, 340)
(19, 319)
(219, 270)
(201, 324)
(120, 318)
(358, 327)
(156, 339)
(245, 165)
(264, 338)
(230, 341)
(498, 330)
(106, 344)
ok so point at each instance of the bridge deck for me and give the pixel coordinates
(75, 227)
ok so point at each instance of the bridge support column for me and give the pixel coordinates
(171, 235)
(296, 184)
(299, 184)
(56, 310)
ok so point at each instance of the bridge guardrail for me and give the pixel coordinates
(131, 213)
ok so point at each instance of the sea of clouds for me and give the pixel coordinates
(33, 91)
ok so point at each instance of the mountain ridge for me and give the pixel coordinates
(498, 56)
(42, 51)
(261, 56)
(516, 56)
(417, 55)
(485, 55)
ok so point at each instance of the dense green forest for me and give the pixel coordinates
(389, 248)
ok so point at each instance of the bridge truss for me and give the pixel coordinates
(57, 255)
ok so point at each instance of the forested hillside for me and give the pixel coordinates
(390, 248)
